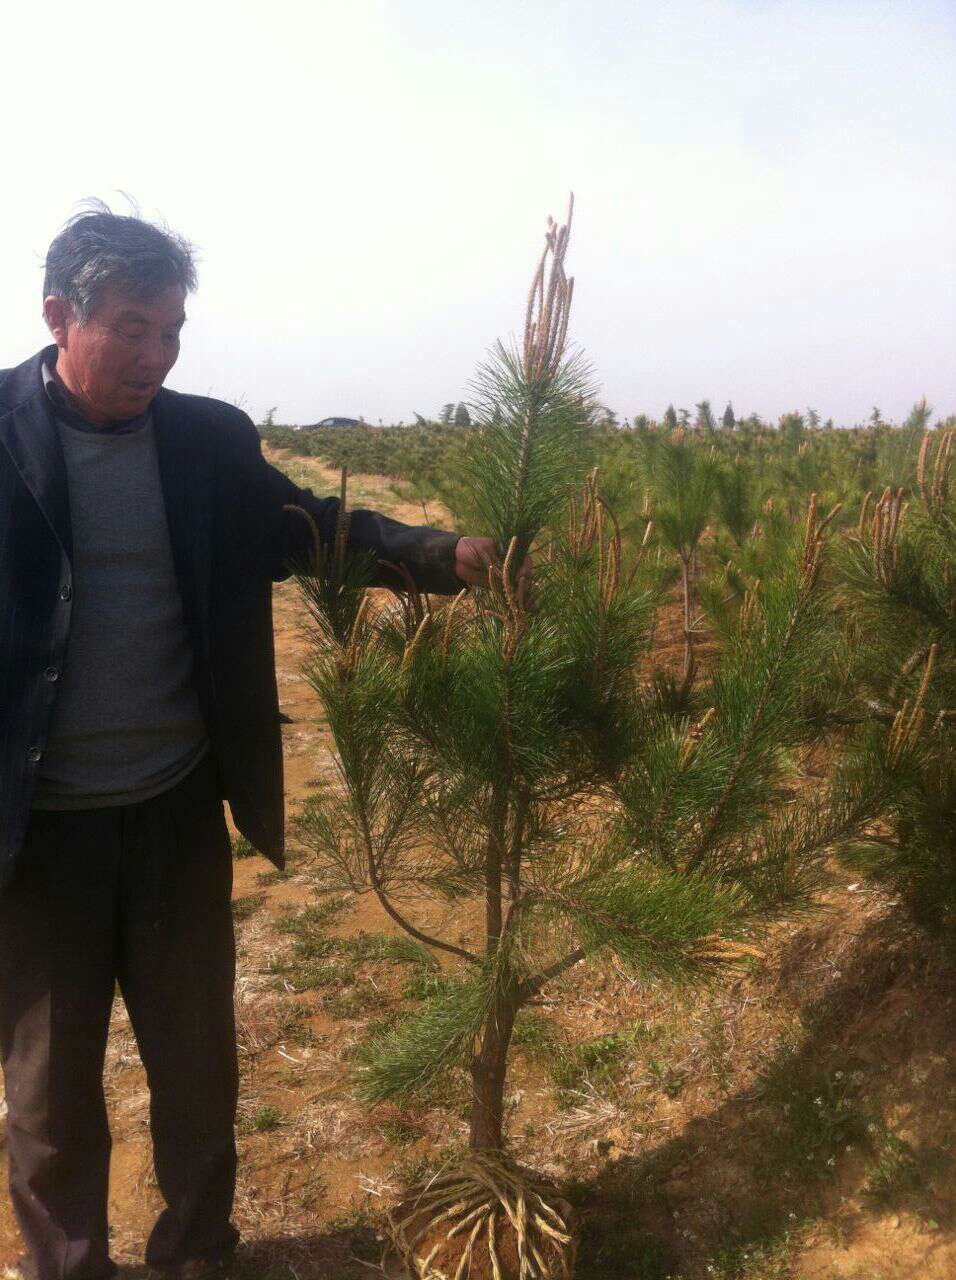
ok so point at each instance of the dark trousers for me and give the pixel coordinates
(137, 895)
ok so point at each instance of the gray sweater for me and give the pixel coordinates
(127, 723)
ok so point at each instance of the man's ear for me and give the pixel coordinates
(58, 314)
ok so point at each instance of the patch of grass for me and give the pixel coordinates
(894, 1172)
(243, 908)
(265, 1120)
(670, 1080)
(275, 876)
(409, 1170)
(596, 1062)
(425, 983)
(817, 1115)
(311, 973)
(242, 848)
(534, 1034)
(383, 947)
(400, 1131)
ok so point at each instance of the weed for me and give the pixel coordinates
(534, 1034)
(718, 1046)
(615, 1245)
(305, 924)
(242, 848)
(381, 946)
(400, 1131)
(311, 973)
(243, 908)
(364, 1233)
(753, 1262)
(274, 876)
(596, 1062)
(356, 1003)
(894, 1171)
(265, 1120)
(817, 1115)
(669, 1080)
(425, 984)
(410, 1170)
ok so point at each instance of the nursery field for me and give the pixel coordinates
(794, 1119)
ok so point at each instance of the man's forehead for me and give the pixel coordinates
(167, 306)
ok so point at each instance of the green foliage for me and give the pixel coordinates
(705, 420)
(681, 479)
(242, 848)
(895, 1171)
(265, 1120)
(897, 573)
(918, 860)
(243, 908)
(736, 501)
(523, 463)
(595, 1062)
(818, 1114)
(405, 1059)
(511, 755)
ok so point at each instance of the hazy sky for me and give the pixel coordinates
(765, 190)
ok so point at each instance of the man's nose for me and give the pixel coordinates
(152, 356)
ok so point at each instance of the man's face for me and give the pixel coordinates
(115, 363)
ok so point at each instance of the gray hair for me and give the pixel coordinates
(98, 248)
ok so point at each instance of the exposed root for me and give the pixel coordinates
(488, 1219)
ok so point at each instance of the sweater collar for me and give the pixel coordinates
(65, 408)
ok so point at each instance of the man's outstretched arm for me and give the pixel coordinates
(437, 561)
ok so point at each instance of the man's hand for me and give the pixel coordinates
(474, 556)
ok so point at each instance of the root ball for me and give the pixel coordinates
(488, 1220)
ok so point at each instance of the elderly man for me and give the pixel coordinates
(140, 533)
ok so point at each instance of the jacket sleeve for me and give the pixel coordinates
(428, 554)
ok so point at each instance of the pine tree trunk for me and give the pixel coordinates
(687, 586)
(488, 1074)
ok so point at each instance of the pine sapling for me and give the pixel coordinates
(500, 755)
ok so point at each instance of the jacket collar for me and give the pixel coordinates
(28, 430)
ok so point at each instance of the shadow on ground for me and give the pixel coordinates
(345, 1253)
(818, 1137)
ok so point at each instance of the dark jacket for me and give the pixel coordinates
(230, 540)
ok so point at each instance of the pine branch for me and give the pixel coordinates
(532, 986)
(390, 908)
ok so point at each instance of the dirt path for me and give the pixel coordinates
(723, 1134)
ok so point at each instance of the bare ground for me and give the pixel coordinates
(795, 1122)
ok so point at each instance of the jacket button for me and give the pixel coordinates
(66, 592)
(51, 673)
(34, 755)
